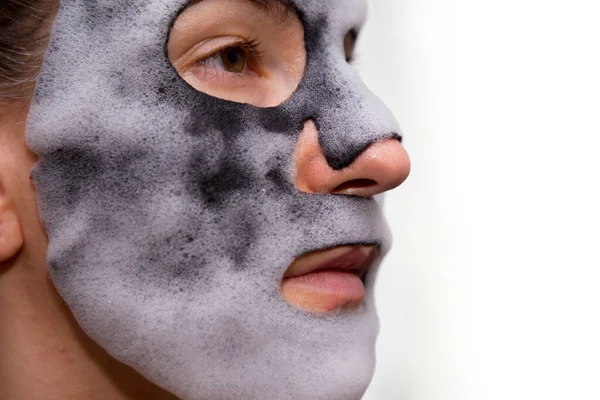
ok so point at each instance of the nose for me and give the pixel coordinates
(382, 166)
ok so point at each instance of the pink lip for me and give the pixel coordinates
(326, 280)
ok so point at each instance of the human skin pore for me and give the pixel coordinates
(174, 208)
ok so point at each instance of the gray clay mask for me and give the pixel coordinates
(172, 214)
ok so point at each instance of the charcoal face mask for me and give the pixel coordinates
(172, 215)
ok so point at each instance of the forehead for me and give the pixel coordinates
(99, 13)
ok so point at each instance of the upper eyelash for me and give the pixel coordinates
(353, 57)
(251, 45)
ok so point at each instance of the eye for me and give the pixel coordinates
(233, 59)
(243, 56)
(239, 51)
(349, 45)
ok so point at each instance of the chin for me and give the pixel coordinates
(288, 368)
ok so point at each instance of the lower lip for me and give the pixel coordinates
(324, 291)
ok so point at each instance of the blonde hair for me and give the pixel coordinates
(24, 31)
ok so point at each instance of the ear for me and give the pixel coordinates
(11, 237)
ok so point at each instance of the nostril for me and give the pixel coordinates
(354, 184)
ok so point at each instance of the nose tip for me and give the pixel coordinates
(382, 166)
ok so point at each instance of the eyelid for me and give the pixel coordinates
(215, 46)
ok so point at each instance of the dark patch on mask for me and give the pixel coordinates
(245, 233)
(61, 263)
(83, 172)
(313, 36)
(229, 120)
(301, 206)
(277, 176)
(178, 269)
(280, 120)
(53, 266)
(296, 210)
(96, 15)
(278, 179)
(226, 117)
(75, 169)
(120, 86)
(339, 161)
(214, 188)
(124, 175)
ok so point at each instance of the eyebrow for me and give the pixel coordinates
(281, 8)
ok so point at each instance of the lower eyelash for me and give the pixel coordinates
(204, 72)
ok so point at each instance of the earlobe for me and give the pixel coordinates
(11, 237)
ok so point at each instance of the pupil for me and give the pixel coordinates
(233, 57)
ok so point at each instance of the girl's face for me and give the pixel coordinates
(206, 180)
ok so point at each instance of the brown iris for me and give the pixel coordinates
(234, 59)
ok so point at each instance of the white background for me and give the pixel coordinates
(493, 288)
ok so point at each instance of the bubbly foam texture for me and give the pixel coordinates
(172, 215)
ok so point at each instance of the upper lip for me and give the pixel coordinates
(354, 259)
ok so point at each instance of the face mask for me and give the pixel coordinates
(172, 215)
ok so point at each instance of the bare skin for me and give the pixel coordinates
(45, 354)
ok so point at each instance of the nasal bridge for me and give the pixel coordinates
(348, 116)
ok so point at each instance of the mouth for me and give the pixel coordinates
(328, 280)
